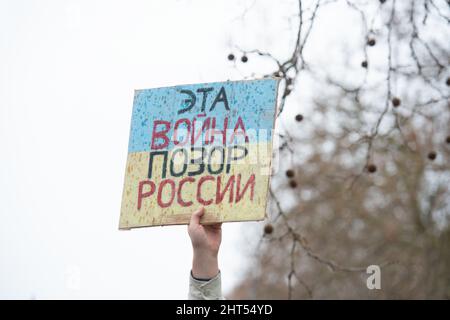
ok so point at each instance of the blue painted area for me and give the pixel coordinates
(254, 101)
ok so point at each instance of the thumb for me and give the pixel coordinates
(195, 218)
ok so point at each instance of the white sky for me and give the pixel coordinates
(68, 71)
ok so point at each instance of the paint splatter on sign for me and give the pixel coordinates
(199, 145)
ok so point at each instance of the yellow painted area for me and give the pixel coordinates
(151, 214)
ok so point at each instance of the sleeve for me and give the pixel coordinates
(205, 289)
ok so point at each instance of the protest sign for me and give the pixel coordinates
(199, 145)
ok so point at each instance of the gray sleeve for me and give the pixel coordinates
(205, 290)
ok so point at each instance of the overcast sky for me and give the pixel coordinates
(68, 70)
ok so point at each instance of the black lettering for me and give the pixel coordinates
(198, 161)
(221, 97)
(205, 95)
(190, 102)
(172, 169)
(234, 157)
(222, 161)
(150, 165)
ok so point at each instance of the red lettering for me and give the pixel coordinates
(147, 194)
(250, 182)
(160, 134)
(180, 186)
(211, 133)
(229, 185)
(199, 190)
(239, 124)
(175, 133)
(160, 192)
(195, 135)
(170, 189)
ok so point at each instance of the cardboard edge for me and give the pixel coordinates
(264, 216)
(275, 115)
(187, 223)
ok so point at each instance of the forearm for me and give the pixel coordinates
(205, 265)
(205, 279)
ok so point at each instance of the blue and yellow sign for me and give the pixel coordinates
(199, 145)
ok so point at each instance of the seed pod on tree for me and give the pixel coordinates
(432, 155)
(372, 168)
(371, 42)
(396, 102)
(289, 173)
(268, 229)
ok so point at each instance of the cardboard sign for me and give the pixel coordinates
(199, 145)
